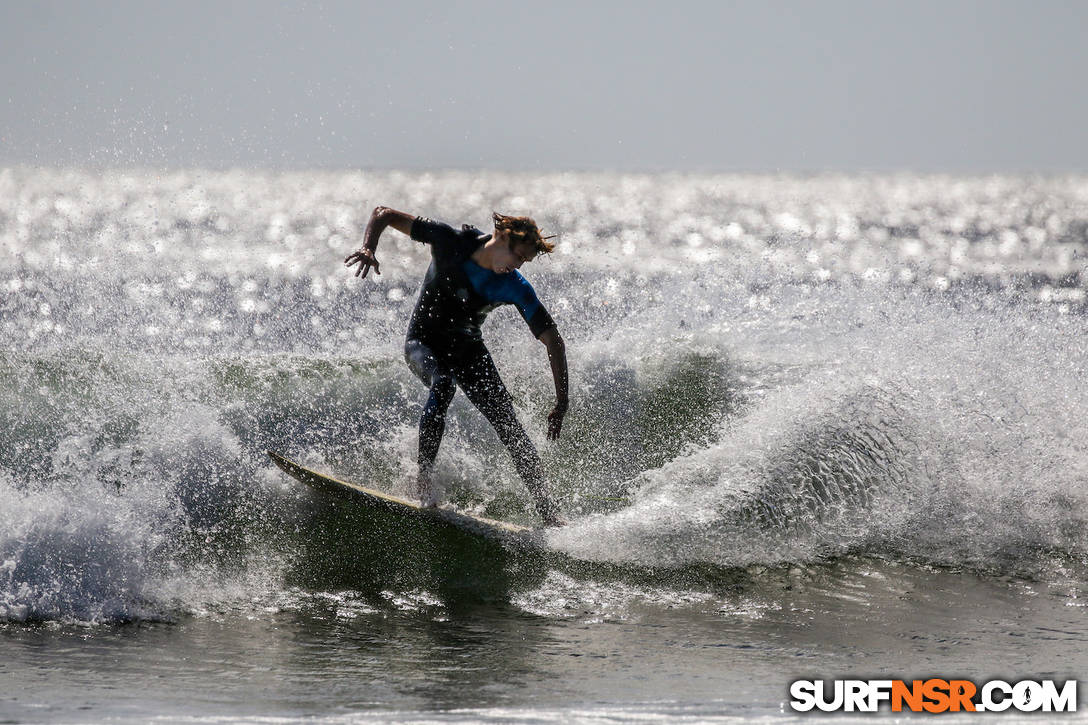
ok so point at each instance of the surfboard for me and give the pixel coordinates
(395, 507)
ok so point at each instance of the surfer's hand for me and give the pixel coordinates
(365, 259)
(555, 420)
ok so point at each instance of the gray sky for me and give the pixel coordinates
(548, 85)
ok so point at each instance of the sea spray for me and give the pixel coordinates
(770, 369)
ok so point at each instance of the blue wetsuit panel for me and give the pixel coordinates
(510, 289)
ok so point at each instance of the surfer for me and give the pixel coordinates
(472, 273)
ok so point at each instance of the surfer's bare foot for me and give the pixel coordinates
(425, 491)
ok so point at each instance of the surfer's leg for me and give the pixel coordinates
(481, 382)
(432, 422)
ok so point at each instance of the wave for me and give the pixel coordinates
(789, 482)
(138, 487)
(916, 450)
(128, 473)
(764, 372)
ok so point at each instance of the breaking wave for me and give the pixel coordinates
(739, 399)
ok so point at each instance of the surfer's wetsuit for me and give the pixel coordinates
(445, 346)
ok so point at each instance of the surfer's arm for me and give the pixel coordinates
(380, 218)
(557, 356)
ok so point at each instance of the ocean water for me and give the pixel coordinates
(821, 427)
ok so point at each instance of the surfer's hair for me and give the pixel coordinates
(523, 230)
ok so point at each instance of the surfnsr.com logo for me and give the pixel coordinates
(933, 695)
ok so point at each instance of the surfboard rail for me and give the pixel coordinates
(397, 506)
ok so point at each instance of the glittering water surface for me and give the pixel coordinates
(821, 426)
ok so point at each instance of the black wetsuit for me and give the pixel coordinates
(445, 347)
